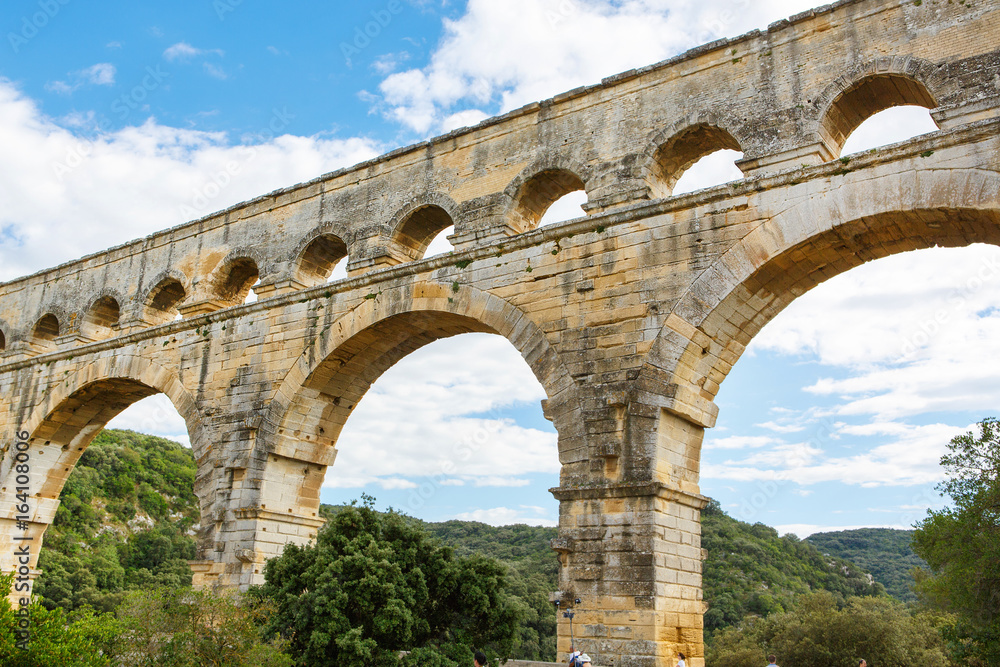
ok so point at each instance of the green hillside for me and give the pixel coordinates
(885, 552)
(123, 522)
(750, 570)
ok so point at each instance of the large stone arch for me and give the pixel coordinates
(60, 427)
(714, 320)
(278, 483)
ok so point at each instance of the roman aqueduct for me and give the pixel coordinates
(630, 317)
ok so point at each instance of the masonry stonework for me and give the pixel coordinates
(630, 318)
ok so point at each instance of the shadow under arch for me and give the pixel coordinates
(72, 415)
(714, 321)
(319, 393)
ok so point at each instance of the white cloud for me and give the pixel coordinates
(101, 74)
(888, 127)
(738, 441)
(66, 193)
(506, 516)
(910, 455)
(911, 330)
(154, 415)
(466, 118)
(508, 54)
(214, 71)
(435, 415)
(182, 51)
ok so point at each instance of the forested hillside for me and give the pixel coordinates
(884, 552)
(123, 523)
(750, 570)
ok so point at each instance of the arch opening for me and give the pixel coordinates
(422, 226)
(46, 329)
(102, 320)
(320, 260)
(440, 244)
(679, 154)
(164, 299)
(567, 207)
(889, 126)
(236, 280)
(537, 195)
(3, 341)
(849, 395)
(864, 99)
(131, 499)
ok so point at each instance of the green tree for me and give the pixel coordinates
(53, 638)
(961, 544)
(374, 585)
(819, 632)
(162, 627)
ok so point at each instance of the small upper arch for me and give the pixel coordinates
(873, 87)
(102, 316)
(317, 255)
(232, 279)
(539, 186)
(672, 151)
(46, 329)
(4, 332)
(161, 302)
(417, 223)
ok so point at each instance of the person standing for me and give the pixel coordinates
(680, 660)
(479, 660)
(772, 661)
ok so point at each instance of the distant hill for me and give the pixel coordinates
(750, 570)
(885, 552)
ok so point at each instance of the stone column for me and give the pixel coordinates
(630, 536)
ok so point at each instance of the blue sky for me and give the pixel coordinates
(118, 119)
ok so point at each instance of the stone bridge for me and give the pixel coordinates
(630, 317)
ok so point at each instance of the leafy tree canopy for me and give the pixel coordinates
(961, 544)
(374, 585)
(823, 631)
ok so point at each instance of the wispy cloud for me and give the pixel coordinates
(101, 74)
(182, 51)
